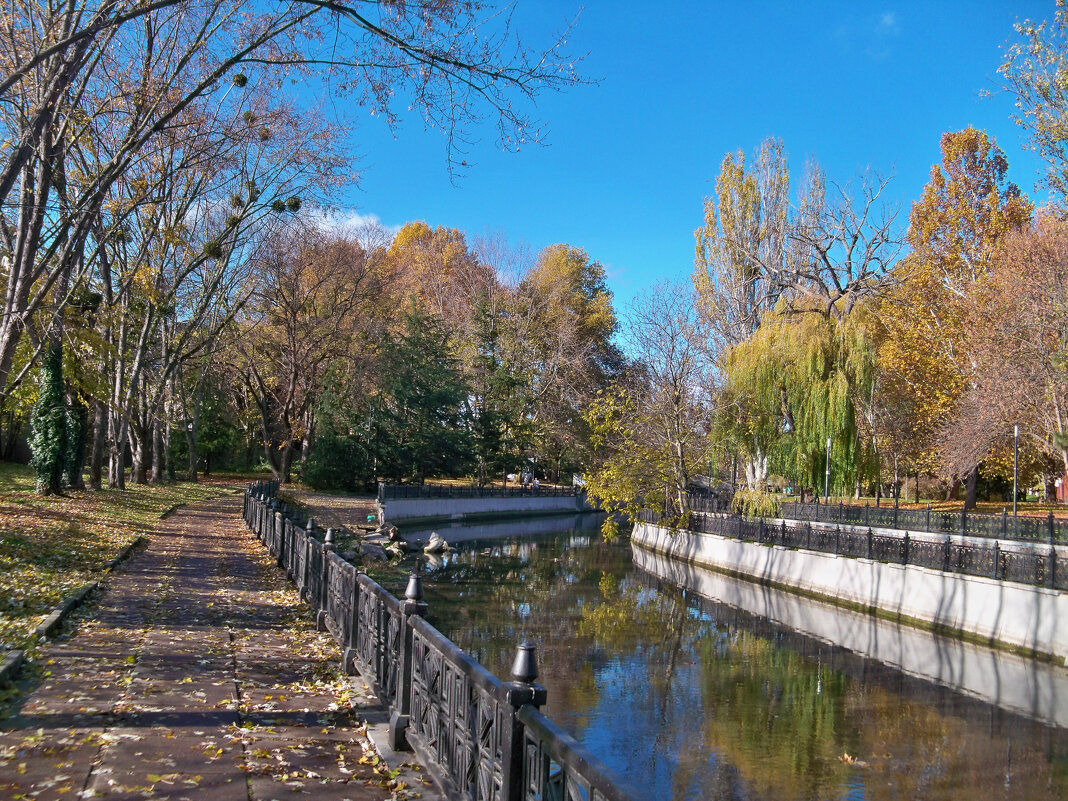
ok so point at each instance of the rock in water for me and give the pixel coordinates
(373, 552)
(436, 544)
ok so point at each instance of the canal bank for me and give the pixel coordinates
(1005, 614)
(428, 505)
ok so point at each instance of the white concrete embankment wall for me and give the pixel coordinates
(406, 511)
(999, 612)
(1015, 683)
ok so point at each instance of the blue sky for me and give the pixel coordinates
(627, 162)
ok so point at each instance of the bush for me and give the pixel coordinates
(336, 463)
(755, 503)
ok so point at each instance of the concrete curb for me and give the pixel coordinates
(52, 622)
(9, 667)
(126, 552)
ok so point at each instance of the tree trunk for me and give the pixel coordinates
(191, 447)
(119, 432)
(77, 418)
(970, 488)
(98, 445)
(158, 475)
(139, 435)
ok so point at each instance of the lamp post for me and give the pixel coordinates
(827, 474)
(1015, 466)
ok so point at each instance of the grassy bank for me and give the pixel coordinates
(51, 546)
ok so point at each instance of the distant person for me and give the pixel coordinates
(536, 484)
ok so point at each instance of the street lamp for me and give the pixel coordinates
(827, 475)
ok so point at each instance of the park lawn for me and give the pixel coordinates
(51, 546)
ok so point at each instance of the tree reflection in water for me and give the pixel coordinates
(675, 691)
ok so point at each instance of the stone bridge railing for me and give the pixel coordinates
(482, 739)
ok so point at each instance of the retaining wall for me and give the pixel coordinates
(1003, 613)
(412, 511)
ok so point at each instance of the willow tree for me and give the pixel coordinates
(795, 384)
(762, 265)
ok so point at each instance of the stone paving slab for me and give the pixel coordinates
(197, 674)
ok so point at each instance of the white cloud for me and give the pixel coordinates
(888, 22)
(351, 220)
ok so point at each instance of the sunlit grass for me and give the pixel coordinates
(51, 546)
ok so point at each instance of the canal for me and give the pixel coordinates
(692, 685)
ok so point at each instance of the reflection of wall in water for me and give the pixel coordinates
(874, 649)
(519, 527)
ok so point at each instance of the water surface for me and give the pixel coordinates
(691, 685)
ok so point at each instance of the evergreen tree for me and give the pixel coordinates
(424, 429)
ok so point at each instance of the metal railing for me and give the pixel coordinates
(482, 739)
(1037, 563)
(399, 491)
(933, 521)
(927, 520)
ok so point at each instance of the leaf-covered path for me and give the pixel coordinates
(198, 674)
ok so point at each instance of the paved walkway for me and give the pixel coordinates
(197, 674)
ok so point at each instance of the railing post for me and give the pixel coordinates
(1052, 555)
(280, 537)
(1004, 522)
(867, 516)
(895, 513)
(519, 692)
(837, 537)
(945, 559)
(324, 585)
(413, 605)
(905, 556)
(964, 519)
(927, 524)
(305, 581)
(869, 543)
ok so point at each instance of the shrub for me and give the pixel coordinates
(755, 503)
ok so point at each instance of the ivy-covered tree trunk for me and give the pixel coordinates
(48, 443)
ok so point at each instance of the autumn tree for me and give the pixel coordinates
(1034, 70)
(69, 72)
(741, 249)
(650, 427)
(314, 287)
(567, 342)
(1017, 318)
(763, 266)
(967, 207)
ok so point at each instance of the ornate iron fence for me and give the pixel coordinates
(481, 738)
(1028, 563)
(930, 521)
